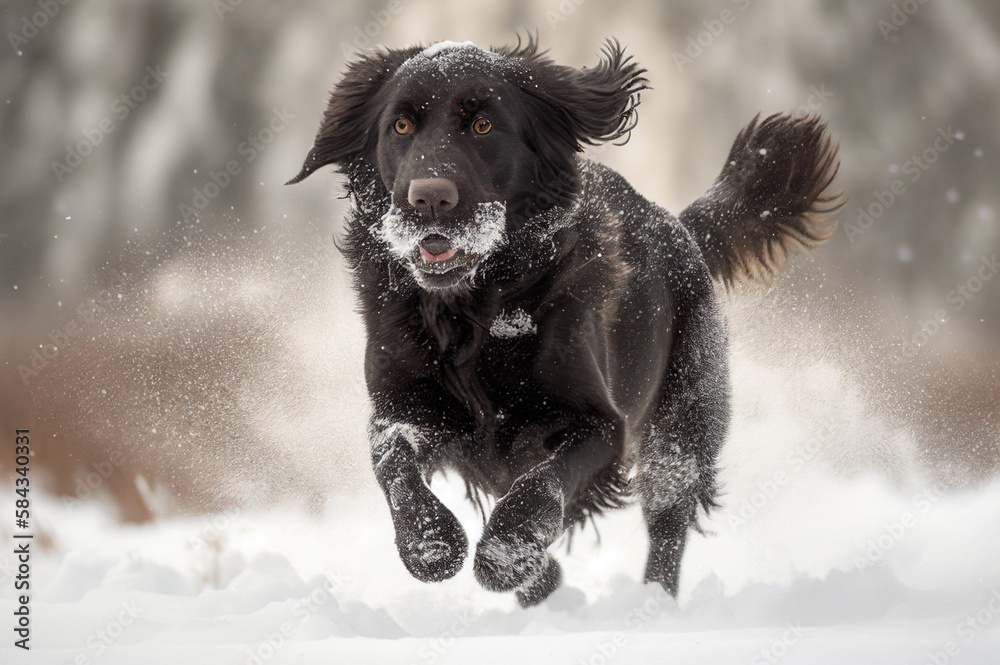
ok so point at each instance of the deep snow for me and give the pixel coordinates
(832, 546)
(290, 588)
(804, 564)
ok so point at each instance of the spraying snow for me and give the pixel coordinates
(833, 544)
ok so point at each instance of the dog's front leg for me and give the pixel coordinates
(512, 553)
(430, 540)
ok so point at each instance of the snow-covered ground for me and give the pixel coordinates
(833, 544)
(806, 563)
(826, 572)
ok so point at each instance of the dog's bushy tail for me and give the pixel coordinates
(774, 195)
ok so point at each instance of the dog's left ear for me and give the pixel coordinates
(598, 104)
(349, 127)
(568, 108)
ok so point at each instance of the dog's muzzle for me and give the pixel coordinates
(440, 255)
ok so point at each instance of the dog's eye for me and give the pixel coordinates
(482, 126)
(403, 126)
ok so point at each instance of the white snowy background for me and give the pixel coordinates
(201, 488)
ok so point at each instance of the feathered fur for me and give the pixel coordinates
(619, 362)
(774, 195)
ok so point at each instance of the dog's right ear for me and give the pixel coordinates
(347, 130)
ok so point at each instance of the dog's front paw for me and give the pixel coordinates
(506, 563)
(430, 539)
(544, 583)
(512, 552)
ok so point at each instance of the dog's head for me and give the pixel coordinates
(455, 147)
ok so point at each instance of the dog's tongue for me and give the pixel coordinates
(435, 248)
(432, 258)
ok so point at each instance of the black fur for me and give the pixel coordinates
(768, 199)
(561, 330)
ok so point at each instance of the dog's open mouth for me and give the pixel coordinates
(440, 264)
(435, 258)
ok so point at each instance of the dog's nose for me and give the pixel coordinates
(432, 196)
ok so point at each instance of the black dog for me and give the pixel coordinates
(533, 323)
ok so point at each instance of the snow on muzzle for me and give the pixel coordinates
(437, 248)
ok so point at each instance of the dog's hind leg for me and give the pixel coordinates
(430, 539)
(676, 463)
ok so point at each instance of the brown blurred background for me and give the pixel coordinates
(178, 331)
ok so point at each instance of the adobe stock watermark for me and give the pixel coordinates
(7, 569)
(696, 45)
(901, 13)
(103, 639)
(968, 628)
(636, 619)
(87, 485)
(392, 349)
(364, 35)
(434, 648)
(210, 543)
(817, 99)
(795, 461)
(302, 609)
(212, 531)
(30, 26)
(958, 298)
(880, 545)
(223, 7)
(779, 648)
(248, 150)
(121, 107)
(913, 169)
(61, 337)
(562, 12)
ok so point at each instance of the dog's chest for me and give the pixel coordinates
(512, 324)
(507, 356)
